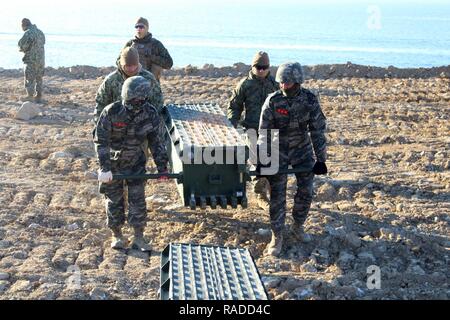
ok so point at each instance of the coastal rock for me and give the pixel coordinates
(99, 294)
(21, 286)
(4, 285)
(60, 155)
(345, 259)
(366, 256)
(308, 267)
(302, 293)
(5, 244)
(321, 255)
(4, 276)
(282, 296)
(271, 283)
(290, 284)
(326, 192)
(353, 240)
(264, 232)
(27, 111)
(72, 227)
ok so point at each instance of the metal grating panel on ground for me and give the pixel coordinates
(202, 272)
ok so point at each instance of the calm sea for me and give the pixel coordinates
(380, 33)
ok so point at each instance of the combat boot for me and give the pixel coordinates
(38, 98)
(26, 98)
(263, 201)
(261, 189)
(118, 241)
(139, 242)
(275, 245)
(298, 232)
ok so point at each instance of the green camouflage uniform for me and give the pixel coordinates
(32, 45)
(110, 90)
(301, 124)
(119, 136)
(249, 95)
(153, 56)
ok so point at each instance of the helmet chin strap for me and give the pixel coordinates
(135, 109)
(132, 109)
(291, 92)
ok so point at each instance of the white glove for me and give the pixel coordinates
(104, 177)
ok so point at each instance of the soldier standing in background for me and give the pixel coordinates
(32, 45)
(127, 66)
(249, 95)
(121, 130)
(296, 113)
(152, 54)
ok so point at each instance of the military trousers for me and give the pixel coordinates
(260, 184)
(33, 78)
(114, 193)
(302, 199)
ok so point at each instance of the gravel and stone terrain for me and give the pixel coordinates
(385, 202)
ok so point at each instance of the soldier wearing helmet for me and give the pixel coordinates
(121, 130)
(296, 113)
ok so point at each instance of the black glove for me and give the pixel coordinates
(258, 169)
(320, 168)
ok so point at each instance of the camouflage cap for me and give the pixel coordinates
(135, 87)
(261, 58)
(129, 56)
(290, 72)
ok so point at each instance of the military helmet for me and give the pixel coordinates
(290, 72)
(136, 87)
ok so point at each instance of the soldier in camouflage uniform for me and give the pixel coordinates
(127, 66)
(249, 95)
(251, 92)
(121, 130)
(296, 113)
(152, 54)
(32, 45)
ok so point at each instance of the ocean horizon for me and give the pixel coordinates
(375, 33)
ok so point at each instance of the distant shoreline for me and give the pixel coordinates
(321, 71)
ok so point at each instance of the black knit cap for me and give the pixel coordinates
(26, 22)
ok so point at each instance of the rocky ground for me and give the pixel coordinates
(386, 201)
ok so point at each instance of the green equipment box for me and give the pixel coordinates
(209, 153)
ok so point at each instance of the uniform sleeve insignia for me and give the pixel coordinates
(119, 124)
(282, 111)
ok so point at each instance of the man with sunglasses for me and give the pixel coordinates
(153, 56)
(121, 130)
(127, 66)
(249, 95)
(296, 113)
